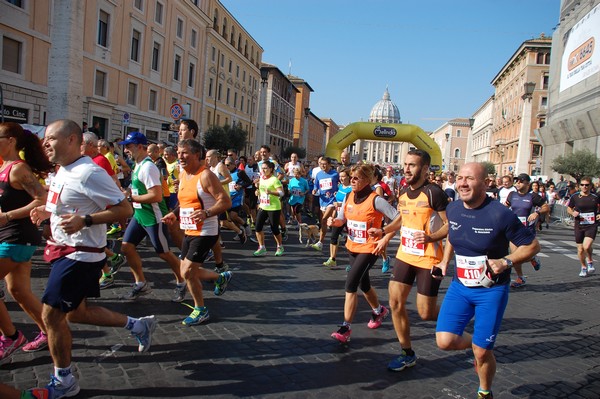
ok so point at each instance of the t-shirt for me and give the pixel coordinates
(101, 161)
(326, 184)
(503, 193)
(523, 205)
(145, 176)
(587, 206)
(295, 187)
(269, 202)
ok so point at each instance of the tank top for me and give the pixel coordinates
(192, 196)
(359, 219)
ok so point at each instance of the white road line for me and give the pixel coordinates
(547, 245)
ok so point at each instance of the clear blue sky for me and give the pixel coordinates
(437, 57)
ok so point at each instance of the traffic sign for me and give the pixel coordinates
(510, 168)
(176, 111)
(126, 118)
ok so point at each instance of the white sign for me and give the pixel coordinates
(580, 58)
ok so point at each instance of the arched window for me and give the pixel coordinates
(216, 20)
(225, 28)
(457, 153)
(232, 36)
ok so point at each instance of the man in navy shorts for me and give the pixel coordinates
(82, 199)
(480, 230)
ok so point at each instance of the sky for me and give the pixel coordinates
(437, 57)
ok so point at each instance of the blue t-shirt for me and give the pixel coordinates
(523, 205)
(237, 197)
(295, 187)
(486, 230)
(327, 183)
(341, 193)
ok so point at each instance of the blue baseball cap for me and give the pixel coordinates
(134, 138)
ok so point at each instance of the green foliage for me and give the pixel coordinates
(490, 168)
(225, 137)
(301, 152)
(578, 164)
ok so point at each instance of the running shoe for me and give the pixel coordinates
(37, 393)
(222, 244)
(254, 240)
(221, 287)
(280, 251)
(260, 252)
(401, 362)
(348, 268)
(377, 319)
(318, 246)
(536, 263)
(343, 334)
(386, 265)
(210, 256)
(144, 338)
(590, 268)
(284, 235)
(583, 272)
(242, 237)
(138, 291)
(179, 293)
(39, 342)
(113, 230)
(57, 390)
(196, 317)
(518, 283)
(9, 346)
(223, 268)
(485, 395)
(106, 281)
(330, 263)
(115, 263)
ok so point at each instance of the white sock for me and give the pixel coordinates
(140, 284)
(64, 375)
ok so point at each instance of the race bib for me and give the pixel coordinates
(232, 187)
(469, 268)
(357, 231)
(53, 195)
(296, 192)
(326, 184)
(409, 245)
(185, 219)
(265, 199)
(136, 205)
(587, 218)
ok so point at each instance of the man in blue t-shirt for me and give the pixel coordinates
(479, 236)
(326, 185)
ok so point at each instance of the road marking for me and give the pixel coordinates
(560, 250)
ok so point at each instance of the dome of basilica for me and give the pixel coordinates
(385, 111)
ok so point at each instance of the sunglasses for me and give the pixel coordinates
(583, 185)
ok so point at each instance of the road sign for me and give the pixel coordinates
(126, 118)
(176, 111)
(510, 168)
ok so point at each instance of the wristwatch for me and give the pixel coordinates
(207, 213)
(509, 263)
(88, 220)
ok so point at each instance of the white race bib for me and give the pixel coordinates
(587, 218)
(136, 205)
(357, 231)
(523, 220)
(326, 184)
(469, 268)
(185, 219)
(409, 245)
(232, 187)
(53, 195)
(265, 199)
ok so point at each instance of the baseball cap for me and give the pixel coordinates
(134, 138)
(524, 177)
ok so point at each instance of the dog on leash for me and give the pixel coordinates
(310, 232)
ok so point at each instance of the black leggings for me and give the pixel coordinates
(261, 218)
(335, 234)
(358, 276)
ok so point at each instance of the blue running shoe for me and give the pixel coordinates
(401, 362)
(144, 338)
(199, 315)
(386, 265)
(221, 287)
(57, 390)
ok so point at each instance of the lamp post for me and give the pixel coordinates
(305, 131)
(524, 147)
(261, 122)
(448, 151)
(470, 139)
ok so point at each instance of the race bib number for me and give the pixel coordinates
(469, 268)
(357, 231)
(523, 220)
(587, 218)
(326, 184)
(265, 199)
(136, 205)
(409, 245)
(232, 187)
(185, 219)
(53, 195)
(296, 192)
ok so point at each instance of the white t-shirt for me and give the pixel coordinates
(291, 167)
(503, 193)
(82, 188)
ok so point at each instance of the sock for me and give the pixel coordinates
(346, 324)
(483, 391)
(131, 322)
(14, 336)
(409, 351)
(140, 284)
(180, 285)
(333, 259)
(378, 309)
(64, 375)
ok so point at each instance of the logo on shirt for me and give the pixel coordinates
(454, 226)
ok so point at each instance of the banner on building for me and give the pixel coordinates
(580, 59)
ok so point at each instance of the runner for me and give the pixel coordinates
(344, 188)
(479, 233)
(81, 200)
(298, 187)
(269, 192)
(362, 212)
(584, 206)
(507, 188)
(326, 184)
(201, 199)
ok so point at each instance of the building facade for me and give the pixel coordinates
(480, 139)
(573, 120)
(452, 139)
(520, 106)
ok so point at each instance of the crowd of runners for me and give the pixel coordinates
(79, 193)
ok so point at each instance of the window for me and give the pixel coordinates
(230, 66)
(227, 96)
(132, 94)
(235, 100)
(152, 100)
(139, 4)
(208, 118)
(158, 13)
(242, 104)
(457, 153)
(193, 38)
(545, 82)
(458, 132)
(180, 28)
(222, 60)
(536, 150)
(216, 20)
(237, 71)
(219, 91)
(11, 55)
(103, 22)
(213, 56)
(544, 102)
(225, 28)
(135, 45)
(17, 3)
(177, 67)
(152, 135)
(210, 87)
(191, 75)
(100, 84)
(155, 56)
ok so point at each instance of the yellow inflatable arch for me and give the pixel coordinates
(385, 132)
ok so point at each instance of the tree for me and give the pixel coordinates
(225, 137)
(301, 152)
(578, 164)
(490, 168)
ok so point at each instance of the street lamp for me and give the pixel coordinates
(448, 150)
(528, 87)
(261, 122)
(305, 131)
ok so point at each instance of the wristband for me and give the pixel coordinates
(88, 220)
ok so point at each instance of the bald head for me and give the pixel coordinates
(471, 185)
(66, 128)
